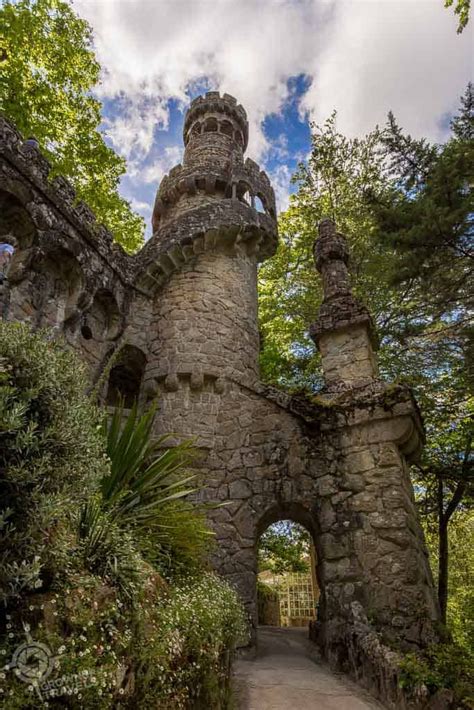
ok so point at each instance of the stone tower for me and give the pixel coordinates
(180, 320)
(205, 331)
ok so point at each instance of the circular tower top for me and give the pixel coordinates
(215, 191)
(218, 114)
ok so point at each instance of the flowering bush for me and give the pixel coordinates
(87, 622)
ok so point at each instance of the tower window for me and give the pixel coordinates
(210, 125)
(259, 205)
(226, 128)
(126, 377)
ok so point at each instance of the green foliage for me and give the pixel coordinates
(461, 9)
(51, 454)
(426, 212)
(47, 72)
(147, 488)
(184, 657)
(460, 608)
(73, 571)
(266, 591)
(284, 547)
(441, 666)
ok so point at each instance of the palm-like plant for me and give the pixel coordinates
(144, 475)
(146, 493)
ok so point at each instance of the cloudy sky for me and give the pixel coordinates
(287, 61)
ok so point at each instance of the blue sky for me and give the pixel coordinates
(287, 61)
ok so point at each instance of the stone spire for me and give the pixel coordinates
(344, 331)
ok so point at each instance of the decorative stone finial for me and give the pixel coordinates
(331, 255)
(344, 331)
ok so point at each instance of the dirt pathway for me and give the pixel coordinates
(286, 675)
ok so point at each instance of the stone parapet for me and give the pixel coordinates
(213, 103)
(231, 181)
(228, 224)
(343, 313)
(33, 167)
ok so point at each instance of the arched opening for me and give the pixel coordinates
(238, 137)
(6, 252)
(126, 377)
(56, 287)
(226, 128)
(243, 193)
(287, 586)
(102, 320)
(210, 125)
(17, 233)
(196, 129)
(259, 204)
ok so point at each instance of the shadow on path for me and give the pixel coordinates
(288, 675)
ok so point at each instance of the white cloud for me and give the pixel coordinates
(158, 49)
(364, 57)
(383, 55)
(132, 129)
(142, 207)
(153, 172)
(280, 178)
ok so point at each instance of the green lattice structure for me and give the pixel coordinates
(297, 596)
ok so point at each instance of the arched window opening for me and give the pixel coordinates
(247, 197)
(102, 320)
(259, 204)
(57, 285)
(226, 128)
(287, 587)
(210, 125)
(239, 138)
(126, 377)
(6, 252)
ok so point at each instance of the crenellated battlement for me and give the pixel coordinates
(223, 115)
(214, 170)
(244, 183)
(35, 168)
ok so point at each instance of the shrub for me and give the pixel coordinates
(444, 665)
(75, 573)
(146, 490)
(187, 652)
(51, 456)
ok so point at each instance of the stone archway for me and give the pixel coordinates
(297, 512)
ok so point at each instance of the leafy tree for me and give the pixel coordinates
(406, 208)
(426, 213)
(47, 73)
(284, 547)
(426, 217)
(461, 9)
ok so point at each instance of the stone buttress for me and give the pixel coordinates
(178, 322)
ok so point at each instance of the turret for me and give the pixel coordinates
(215, 136)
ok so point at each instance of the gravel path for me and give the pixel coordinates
(286, 675)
